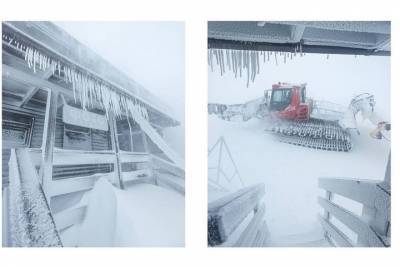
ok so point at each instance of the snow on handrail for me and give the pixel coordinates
(227, 213)
(160, 163)
(31, 221)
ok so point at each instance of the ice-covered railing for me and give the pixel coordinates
(168, 174)
(343, 227)
(227, 215)
(31, 223)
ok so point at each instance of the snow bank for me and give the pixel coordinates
(140, 215)
(98, 227)
(150, 215)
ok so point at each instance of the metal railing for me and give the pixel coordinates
(222, 146)
(372, 227)
(168, 174)
(73, 161)
(31, 222)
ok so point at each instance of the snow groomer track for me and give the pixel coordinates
(315, 134)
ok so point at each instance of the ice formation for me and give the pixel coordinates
(242, 62)
(85, 87)
(31, 223)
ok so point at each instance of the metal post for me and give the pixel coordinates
(130, 132)
(49, 134)
(219, 159)
(115, 145)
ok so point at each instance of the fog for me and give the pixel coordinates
(151, 53)
(336, 78)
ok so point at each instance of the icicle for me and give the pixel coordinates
(268, 55)
(240, 62)
(26, 55)
(223, 60)
(228, 59)
(254, 65)
(276, 59)
(248, 69)
(258, 62)
(284, 58)
(327, 56)
(233, 62)
(221, 66)
(264, 56)
(211, 60)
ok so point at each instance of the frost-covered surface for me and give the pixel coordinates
(140, 215)
(30, 220)
(290, 173)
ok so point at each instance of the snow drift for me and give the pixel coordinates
(140, 215)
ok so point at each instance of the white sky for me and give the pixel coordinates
(151, 53)
(336, 79)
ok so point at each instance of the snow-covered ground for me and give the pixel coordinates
(141, 215)
(290, 173)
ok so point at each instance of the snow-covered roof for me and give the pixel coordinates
(59, 43)
(330, 37)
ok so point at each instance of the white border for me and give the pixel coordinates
(196, 14)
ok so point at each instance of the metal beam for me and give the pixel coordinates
(49, 136)
(291, 47)
(297, 33)
(115, 145)
(29, 78)
(28, 96)
(46, 75)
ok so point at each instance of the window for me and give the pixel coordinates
(282, 96)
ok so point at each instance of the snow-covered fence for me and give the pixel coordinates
(75, 162)
(372, 227)
(168, 174)
(226, 214)
(30, 219)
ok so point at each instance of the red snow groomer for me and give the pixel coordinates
(302, 121)
(289, 101)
